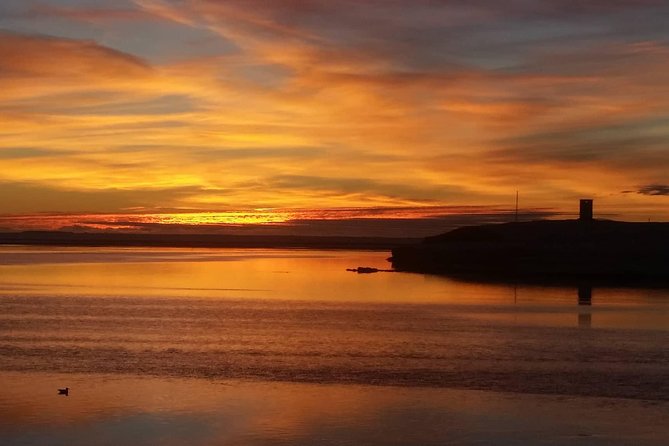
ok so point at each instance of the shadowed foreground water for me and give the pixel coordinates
(120, 409)
(127, 329)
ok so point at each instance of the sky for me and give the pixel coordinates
(376, 117)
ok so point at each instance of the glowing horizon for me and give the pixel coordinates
(276, 221)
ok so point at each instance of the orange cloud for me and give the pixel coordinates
(328, 105)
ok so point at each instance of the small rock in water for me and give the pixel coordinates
(364, 270)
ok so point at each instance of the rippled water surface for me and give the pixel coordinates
(178, 346)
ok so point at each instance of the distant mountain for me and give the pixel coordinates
(61, 238)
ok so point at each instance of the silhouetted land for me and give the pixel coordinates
(546, 251)
(60, 238)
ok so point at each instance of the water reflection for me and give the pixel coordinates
(130, 330)
(264, 274)
(585, 300)
(112, 410)
(309, 277)
(585, 295)
(298, 315)
(584, 319)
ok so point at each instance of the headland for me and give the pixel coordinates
(548, 250)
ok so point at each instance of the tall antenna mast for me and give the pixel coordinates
(516, 206)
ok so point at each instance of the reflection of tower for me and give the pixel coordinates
(585, 319)
(584, 299)
(585, 295)
(585, 211)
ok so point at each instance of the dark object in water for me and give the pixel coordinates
(65, 391)
(363, 270)
(369, 270)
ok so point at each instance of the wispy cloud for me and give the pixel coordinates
(654, 189)
(249, 103)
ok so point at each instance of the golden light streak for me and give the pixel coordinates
(251, 217)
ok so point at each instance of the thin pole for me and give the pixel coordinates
(516, 205)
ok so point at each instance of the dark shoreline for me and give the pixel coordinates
(58, 238)
(572, 252)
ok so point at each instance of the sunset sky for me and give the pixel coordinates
(337, 117)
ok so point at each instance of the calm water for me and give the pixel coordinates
(246, 347)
